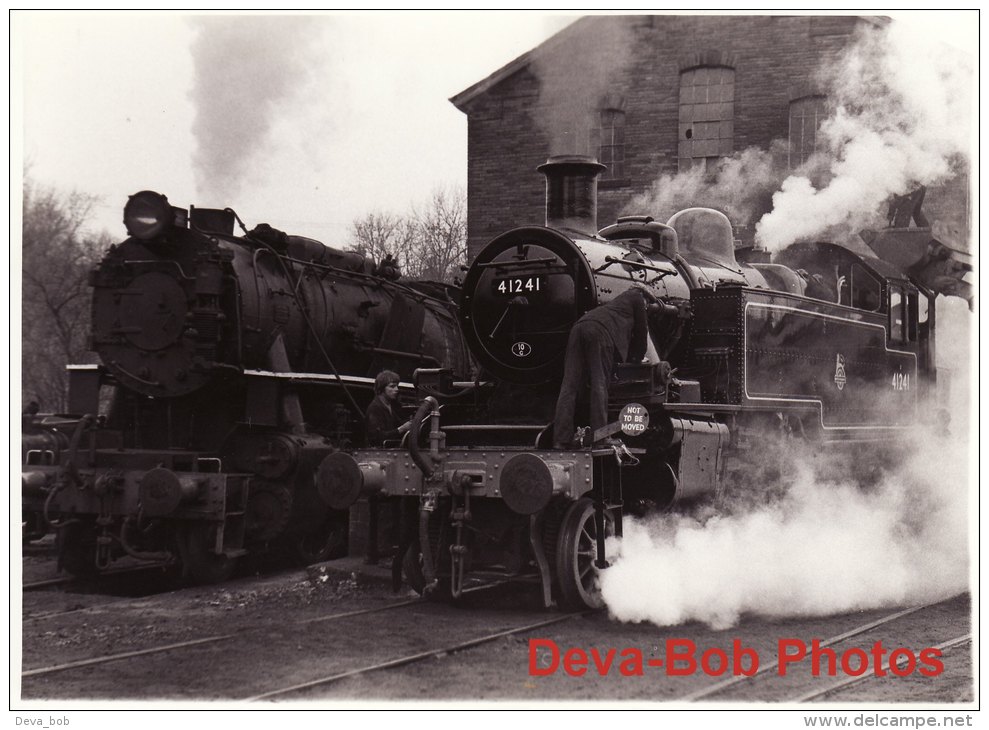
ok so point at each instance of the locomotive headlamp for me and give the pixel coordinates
(147, 214)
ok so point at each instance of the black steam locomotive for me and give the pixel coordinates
(231, 367)
(820, 342)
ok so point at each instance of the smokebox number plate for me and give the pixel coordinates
(516, 285)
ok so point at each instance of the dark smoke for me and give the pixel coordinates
(577, 70)
(249, 73)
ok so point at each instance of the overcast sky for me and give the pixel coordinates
(304, 123)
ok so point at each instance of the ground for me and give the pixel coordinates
(276, 631)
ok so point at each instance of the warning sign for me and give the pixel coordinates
(634, 419)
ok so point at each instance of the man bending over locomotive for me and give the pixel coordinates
(614, 332)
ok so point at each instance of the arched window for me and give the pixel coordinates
(707, 112)
(806, 115)
(611, 144)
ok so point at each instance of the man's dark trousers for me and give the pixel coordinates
(590, 358)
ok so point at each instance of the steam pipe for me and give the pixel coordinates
(68, 471)
(686, 271)
(428, 404)
(428, 569)
(138, 554)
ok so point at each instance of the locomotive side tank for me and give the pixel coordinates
(820, 344)
(231, 366)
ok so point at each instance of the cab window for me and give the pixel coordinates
(866, 289)
(913, 314)
(897, 314)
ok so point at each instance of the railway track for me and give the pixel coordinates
(212, 639)
(240, 643)
(164, 648)
(720, 690)
(76, 609)
(76, 580)
(304, 663)
(408, 659)
(839, 686)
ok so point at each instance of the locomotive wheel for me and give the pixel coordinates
(325, 542)
(75, 545)
(269, 509)
(575, 555)
(198, 559)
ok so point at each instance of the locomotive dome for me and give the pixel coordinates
(706, 234)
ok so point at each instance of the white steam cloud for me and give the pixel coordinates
(741, 187)
(250, 73)
(902, 111)
(826, 546)
(817, 542)
(900, 106)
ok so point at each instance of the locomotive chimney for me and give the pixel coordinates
(572, 192)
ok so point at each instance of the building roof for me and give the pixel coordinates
(465, 97)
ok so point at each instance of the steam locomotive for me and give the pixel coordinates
(819, 343)
(232, 365)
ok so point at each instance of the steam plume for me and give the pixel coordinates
(575, 78)
(902, 107)
(818, 543)
(826, 546)
(741, 188)
(822, 543)
(248, 71)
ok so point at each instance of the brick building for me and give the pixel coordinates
(647, 96)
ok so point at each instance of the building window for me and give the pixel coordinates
(707, 112)
(611, 144)
(806, 115)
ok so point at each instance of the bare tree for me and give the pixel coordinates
(57, 258)
(442, 229)
(376, 235)
(429, 243)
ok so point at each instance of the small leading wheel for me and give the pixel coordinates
(575, 556)
(201, 563)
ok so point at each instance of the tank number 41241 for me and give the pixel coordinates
(901, 381)
(526, 285)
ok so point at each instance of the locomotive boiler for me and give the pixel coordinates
(819, 343)
(231, 365)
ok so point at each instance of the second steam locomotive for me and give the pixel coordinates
(232, 365)
(820, 343)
